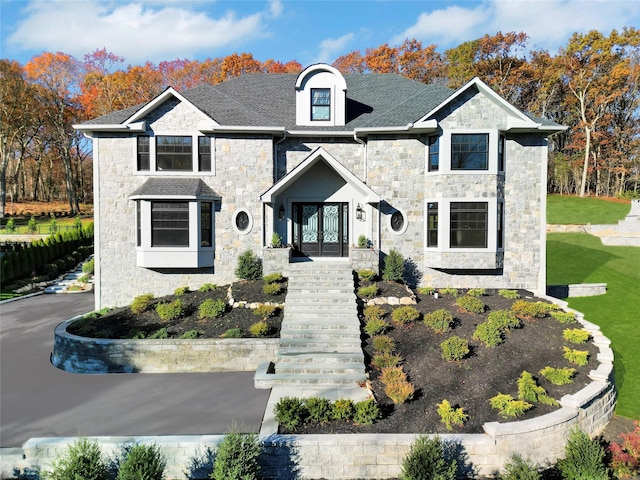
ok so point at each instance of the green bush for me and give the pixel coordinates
(383, 344)
(265, 311)
(504, 319)
(259, 329)
(318, 409)
(84, 279)
(448, 291)
(404, 315)
(506, 293)
(181, 291)
(10, 227)
(564, 317)
(426, 290)
(142, 462)
(171, 311)
(454, 348)
(426, 460)
(375, 327)
(276, 240)
(374, 312)
(159, 334)
(249, 266)
(369, 291)
(524, 308)
(577, 357)
(232, 333)
(343, 409)
(393, 269)
(391, 375)
(271, 289)
(584, 458)
(530, 391)
(471, 304)
(488, 333)
(208, 287)
(211, 308)
(508, 406)
(367, 275)
(290, 412)
(387, 359)
(366, 412)
(141, 302)
(576, 335)
(558, 376)
(399, 392)
(440, 320)
(237, 457)
(53, 225)
(88, 267)
(363, 241)
(82, 460)
(272, 278)
(476, 292)
(451, 416)
(189, 335)
(32, 226)
(518, 468)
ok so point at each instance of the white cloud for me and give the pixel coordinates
(138, 31)
(329, 47)
(275, 8)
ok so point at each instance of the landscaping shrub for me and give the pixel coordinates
(625, 456)
(426, 290)
(271, 288)
(367, 275)
(440, 320)
(488, 333)
(391, 375)
(363, 241)
(318, 409)
(508, 406)
(232, 333)
(208, 287)
(426, 461)
(504, 319)
(249, 266)
(471, 304)
(399, 392)
(387, 359)
(276, 240)
(366, 412)
(265, 311)
(259, 329)
(10, 227)
(375, 327)
(518, 468)
(237, 457)
(476, 292)
(584, 458)
(53, 225)
(171, 311)
(181, 291)
(576, 335)
(577, 357)
(159, 334)
(84, 279)
(530, 391)
(564, 317)
(32, 226)
(369, 291)
(290, 412)
(404, 315)
(82, 460)
(343, 409)
(558, 376)
(374, 312)
(383, 344)
(451, 416)
(189, 335)
(448, 291)
(211, 308)
(506, 293)
(272, 278)
(88, 267)
(141, 302)
(142, 462)
(524, 308)
(393, 269)
(454, 348)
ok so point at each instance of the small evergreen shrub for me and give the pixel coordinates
(53, 225)
(558, 376)
(399, 392)
(476, 292)
(471, 304)
(375, 327)
(10, 227)
(249, 266)
(363, 241)
(272, 278)
(508, 406)
(426, 460)
(530, 391)
(440, 320)
(276, 240)
(367, 275)
(366, 412)
(237, 457)
(372, 312)
(577, 357)
(524, 308)
(426, 290)
(84, 279)
(32, 226)
(265, 311)
(88, 267)
(318, 409)
(343, 409)
(368, 291)
(141, 303)
(488, 333)
(448, 291)
(290, 412)
(208, 287)
(181, 291)
(454, 348)
(271, 289)
(232, 333)
(510, 294)
(189, 335)
(451, 416)
(564, 317)
(504, 319)
(391, 375)
(142, 462)
(576, 335)
(211, 308)
(82, 460)
(518, 468)
(387, 359)
(161, 334)
(393, 269)
(171, 311)
(259, 329)
(383, 344)
(405, 315)
(584, 458)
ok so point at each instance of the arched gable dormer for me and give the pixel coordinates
(321, 93)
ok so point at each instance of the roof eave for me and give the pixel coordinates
(139, 127)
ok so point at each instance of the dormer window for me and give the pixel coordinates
(320, 104)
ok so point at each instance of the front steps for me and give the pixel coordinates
(320, 351)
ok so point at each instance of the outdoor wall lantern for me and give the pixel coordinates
(360, 213)
(281, 212)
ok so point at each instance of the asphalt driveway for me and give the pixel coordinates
(38, 400)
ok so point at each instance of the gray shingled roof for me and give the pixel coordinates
(175, 187)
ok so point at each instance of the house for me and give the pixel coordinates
(453, 180)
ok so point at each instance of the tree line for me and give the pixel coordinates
(591, 85)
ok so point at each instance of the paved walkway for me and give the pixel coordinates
(38, 400)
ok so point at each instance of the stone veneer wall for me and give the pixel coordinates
(87, 355)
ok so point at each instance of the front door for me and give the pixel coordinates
(321, 229)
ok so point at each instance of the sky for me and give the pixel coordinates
(284, 30)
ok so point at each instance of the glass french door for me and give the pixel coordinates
(321, 229)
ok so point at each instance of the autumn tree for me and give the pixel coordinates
(420, 64)
(352, 62)
(100, 93)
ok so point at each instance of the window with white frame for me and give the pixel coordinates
(434, 153)
(169, 224)
(468, 224)
(470, 151)
(320, 104)
(174, 153)
(143, 153)
(432, 224)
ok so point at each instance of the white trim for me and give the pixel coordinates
(235, 227)
(139, 127)
(403, 230)
(159, 100)
(153, 164)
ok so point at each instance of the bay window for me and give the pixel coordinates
(468, 225)
(169, 224)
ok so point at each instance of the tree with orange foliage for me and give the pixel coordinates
(352, 62)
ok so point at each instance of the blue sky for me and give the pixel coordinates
(306, 31)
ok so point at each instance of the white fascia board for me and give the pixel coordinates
(241, 129)
(112, 127)
(421, 126)
(320, 133)
(159, 100)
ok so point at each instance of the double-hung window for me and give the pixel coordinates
(174, 153)
(434, 153)
(432, 224)
(143, 154)
(204, 154)
(320, 104)
(469, 224)
(169, 224)
(470, 151)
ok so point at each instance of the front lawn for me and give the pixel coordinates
(581, 258)
(571, 210)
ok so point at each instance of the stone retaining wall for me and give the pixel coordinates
(577, 290)
(87, 355)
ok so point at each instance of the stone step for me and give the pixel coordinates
(320, 335)
(315, 300)
(313, 325)
(317, 368)
(289, 379)
(333, 357)
(297, 346)
(313, 287)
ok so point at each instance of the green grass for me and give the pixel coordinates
(567, 210)
(581, 258)
(43, 223)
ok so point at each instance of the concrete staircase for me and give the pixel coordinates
(320, 351)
